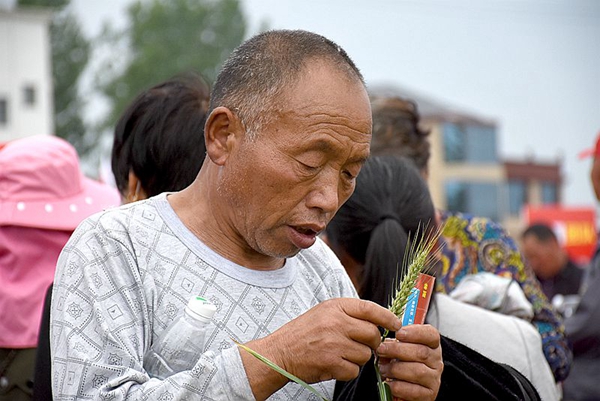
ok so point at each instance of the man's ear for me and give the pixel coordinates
(221, 131)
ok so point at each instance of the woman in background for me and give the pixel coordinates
(472, 244)
(370, 234)
(158, 144)
(43, 198)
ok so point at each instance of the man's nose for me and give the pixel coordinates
(325, 193)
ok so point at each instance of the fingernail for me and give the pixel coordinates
(382, 348)
(398, 324)
(401, 334)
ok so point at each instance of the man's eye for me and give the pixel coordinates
(309, 167)
(349, 175)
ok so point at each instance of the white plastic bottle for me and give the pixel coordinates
(179, 347)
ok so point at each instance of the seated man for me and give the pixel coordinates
(288, 130)
(555, 271)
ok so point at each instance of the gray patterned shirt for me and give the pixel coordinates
(126, 273)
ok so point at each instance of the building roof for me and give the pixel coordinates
(27, 12)
(533, 170)
(431, 109)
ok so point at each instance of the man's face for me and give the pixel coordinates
(286, 185)
(542, 256)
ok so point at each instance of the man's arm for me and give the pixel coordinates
(101, 325)
(102, 318)
(335, 338)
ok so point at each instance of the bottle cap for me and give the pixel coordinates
(200, 308)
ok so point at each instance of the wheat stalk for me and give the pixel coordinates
(418, 259)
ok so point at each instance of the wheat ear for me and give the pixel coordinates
(418, 259)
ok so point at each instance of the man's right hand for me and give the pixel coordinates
(330, 341)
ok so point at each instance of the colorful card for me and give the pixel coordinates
(418, 300)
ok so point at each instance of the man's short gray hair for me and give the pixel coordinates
(259, 71)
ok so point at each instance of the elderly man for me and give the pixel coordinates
(288, 132)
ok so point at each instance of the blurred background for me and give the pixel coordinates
(509, 89)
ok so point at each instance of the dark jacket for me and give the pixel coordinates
(583, 331)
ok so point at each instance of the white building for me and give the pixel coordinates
(26, 106)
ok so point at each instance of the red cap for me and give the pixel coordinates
(595, 152)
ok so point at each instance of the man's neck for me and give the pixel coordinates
(207, 222)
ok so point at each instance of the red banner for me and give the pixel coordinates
(575, 228)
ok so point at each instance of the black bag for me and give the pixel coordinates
(529, 392)
(467, 375)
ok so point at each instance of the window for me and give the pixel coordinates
(549, 192)
(29, 95)
(3, 111)
(479, 199)
(517, 196)
(469, 143)
(455, 146)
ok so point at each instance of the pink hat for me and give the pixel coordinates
(595, 151)
(42, 185)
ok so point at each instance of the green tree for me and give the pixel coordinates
(70, 54)
(167, 37)
(44, 3)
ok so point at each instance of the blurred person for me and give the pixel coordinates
(471, 244)
(583, 327)
(555, 271)
(285, 138)
(43, 197)
(158, 146)
(158, 142)
(371, 234)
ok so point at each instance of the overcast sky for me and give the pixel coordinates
(533, 66)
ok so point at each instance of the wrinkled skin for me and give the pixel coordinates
(413, 363)
(333, 339)
(256, 202)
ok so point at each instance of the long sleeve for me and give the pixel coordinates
(102, 322)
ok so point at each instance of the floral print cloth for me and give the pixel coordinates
(477, 244)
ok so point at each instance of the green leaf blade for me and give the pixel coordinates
(281, 371)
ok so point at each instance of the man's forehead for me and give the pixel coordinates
(322, 72)
(347, 107)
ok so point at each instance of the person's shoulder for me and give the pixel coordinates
(450, 306)
(476, 227)
(120, 218)
(573, 268)
(453, 309)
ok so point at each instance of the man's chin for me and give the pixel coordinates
(286, 254)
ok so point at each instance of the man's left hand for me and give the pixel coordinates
(412, 364)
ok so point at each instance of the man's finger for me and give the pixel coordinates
(419, 334)
(372, 312)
